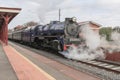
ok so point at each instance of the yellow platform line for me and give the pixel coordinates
(45, 73)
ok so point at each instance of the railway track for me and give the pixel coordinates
(104, 64)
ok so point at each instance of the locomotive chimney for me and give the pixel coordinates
(59, 14)
(67, 20)
(70, 20)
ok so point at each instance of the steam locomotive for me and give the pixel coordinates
(56, 35)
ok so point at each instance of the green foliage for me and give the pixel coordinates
(106, 31)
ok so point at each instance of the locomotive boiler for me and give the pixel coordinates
(56, 35)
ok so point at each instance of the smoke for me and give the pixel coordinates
(83, 53)
(116, 38)
(47, 6)
(114, 44)
(41, 8)
(89, 50)
(93, 46)
(92, 38)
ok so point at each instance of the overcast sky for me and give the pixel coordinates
(104, 12)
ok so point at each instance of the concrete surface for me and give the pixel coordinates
(6, 70)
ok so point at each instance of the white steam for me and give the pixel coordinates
(47, 6)
(89, 50)
(44, 7)
(114, 45)
(83, 53)
(92, 38)
(94, 46)
(116, 38)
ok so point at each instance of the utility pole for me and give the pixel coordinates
(59, 14)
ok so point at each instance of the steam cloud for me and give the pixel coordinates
(114, 45)
(94, 47)
(91, 37)
(88, 50)
(46, 7)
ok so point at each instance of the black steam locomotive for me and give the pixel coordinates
(56, 35)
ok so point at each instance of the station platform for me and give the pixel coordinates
(14, 65)
(6, 70)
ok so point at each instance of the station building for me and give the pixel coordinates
(93, 25)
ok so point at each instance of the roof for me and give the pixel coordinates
(8, 11)
(87, 22)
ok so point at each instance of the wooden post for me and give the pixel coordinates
(5, 28)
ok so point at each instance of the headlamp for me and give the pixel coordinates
(74, 19)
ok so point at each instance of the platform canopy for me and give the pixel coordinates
(6, 15)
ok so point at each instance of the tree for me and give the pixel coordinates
(18, 27)
(29, 24)
(106, 31)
